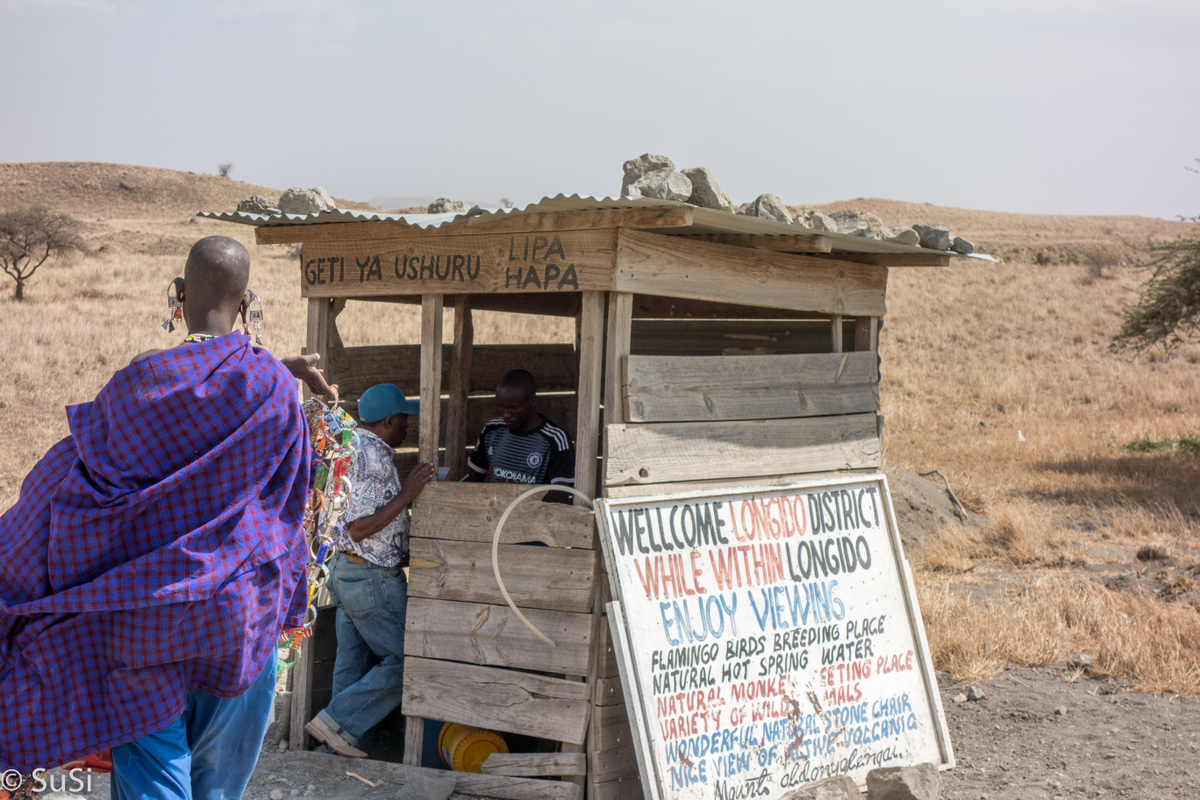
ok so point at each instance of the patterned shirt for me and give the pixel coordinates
(373, 483)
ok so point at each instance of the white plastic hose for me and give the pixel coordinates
(496, 548)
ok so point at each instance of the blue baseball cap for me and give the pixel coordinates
(383, 400)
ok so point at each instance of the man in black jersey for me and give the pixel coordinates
(521, 445)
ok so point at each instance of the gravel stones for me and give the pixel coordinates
(256, 204)
(444, 205)
(769, 206)
(935, 237)
(661, 184)
(975, 693)
(811, 218)
(305, 201)
(705, 191)
(903, 783)
(635, 168)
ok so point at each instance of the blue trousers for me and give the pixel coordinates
(372, 602)
(208, 753)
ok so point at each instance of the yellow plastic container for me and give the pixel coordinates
(464, 748)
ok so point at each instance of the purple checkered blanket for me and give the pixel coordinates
(155, 550)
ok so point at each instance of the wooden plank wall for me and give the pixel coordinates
(468, 658)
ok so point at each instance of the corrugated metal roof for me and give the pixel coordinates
(704, 221)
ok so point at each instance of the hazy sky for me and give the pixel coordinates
(1079, 106)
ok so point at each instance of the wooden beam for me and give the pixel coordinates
(681, 451)
(317, 338)
(619, 335)
(535, 765)
(431, 377)
(414, 740)
(836, 332)
(570, 261)
(615, 764)
(799, 243)
(648, 306)
(591, 365)
(359, 368)
(468, 512)
(536, 577)
(611, 724)
(663, 265)
(460, 384)
(498, 786)
(499, 699)
(654, 337)
(697, 388)
(609, 692)
(866, 334)
(491, 635)
(649, 218)
(768, 481)
(301, 698)
(931, 259)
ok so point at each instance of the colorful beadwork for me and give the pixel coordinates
(333, 435)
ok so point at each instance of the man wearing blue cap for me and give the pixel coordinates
(366, 576)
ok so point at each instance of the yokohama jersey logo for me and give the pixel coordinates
(512, 476)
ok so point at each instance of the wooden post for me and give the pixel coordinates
(837, 333)
(317, 339)
(460, 385)
(431, 378)
(866, 334)
(427, 450)
(591, 362)
(301, 698)
(620, 323)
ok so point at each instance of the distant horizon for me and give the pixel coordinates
(418, 200)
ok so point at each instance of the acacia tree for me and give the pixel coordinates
(1168, 311)
(32, 235)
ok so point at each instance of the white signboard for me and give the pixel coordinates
(768, 638)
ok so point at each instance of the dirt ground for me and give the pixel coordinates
(1037, 734)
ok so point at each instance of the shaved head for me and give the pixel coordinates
(215, 278)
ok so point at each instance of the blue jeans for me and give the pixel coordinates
(372, 602)
(208, 753)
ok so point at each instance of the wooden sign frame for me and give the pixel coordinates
(930, 732)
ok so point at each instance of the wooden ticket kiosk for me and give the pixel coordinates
(711, 350)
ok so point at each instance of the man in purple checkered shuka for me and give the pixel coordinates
(155, 555)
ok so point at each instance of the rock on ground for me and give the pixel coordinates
(425, 787)
(256, 204)
(811, 218)
(901, 236)
(635, 168)
(769, 206)
(935, 237)
(661, 184)
(444, 205)
(961, 245)
(705, 191)
(853, 223)
(903, 783)
(305, 201)
(839, 787)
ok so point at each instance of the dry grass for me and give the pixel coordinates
(1154, 645)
